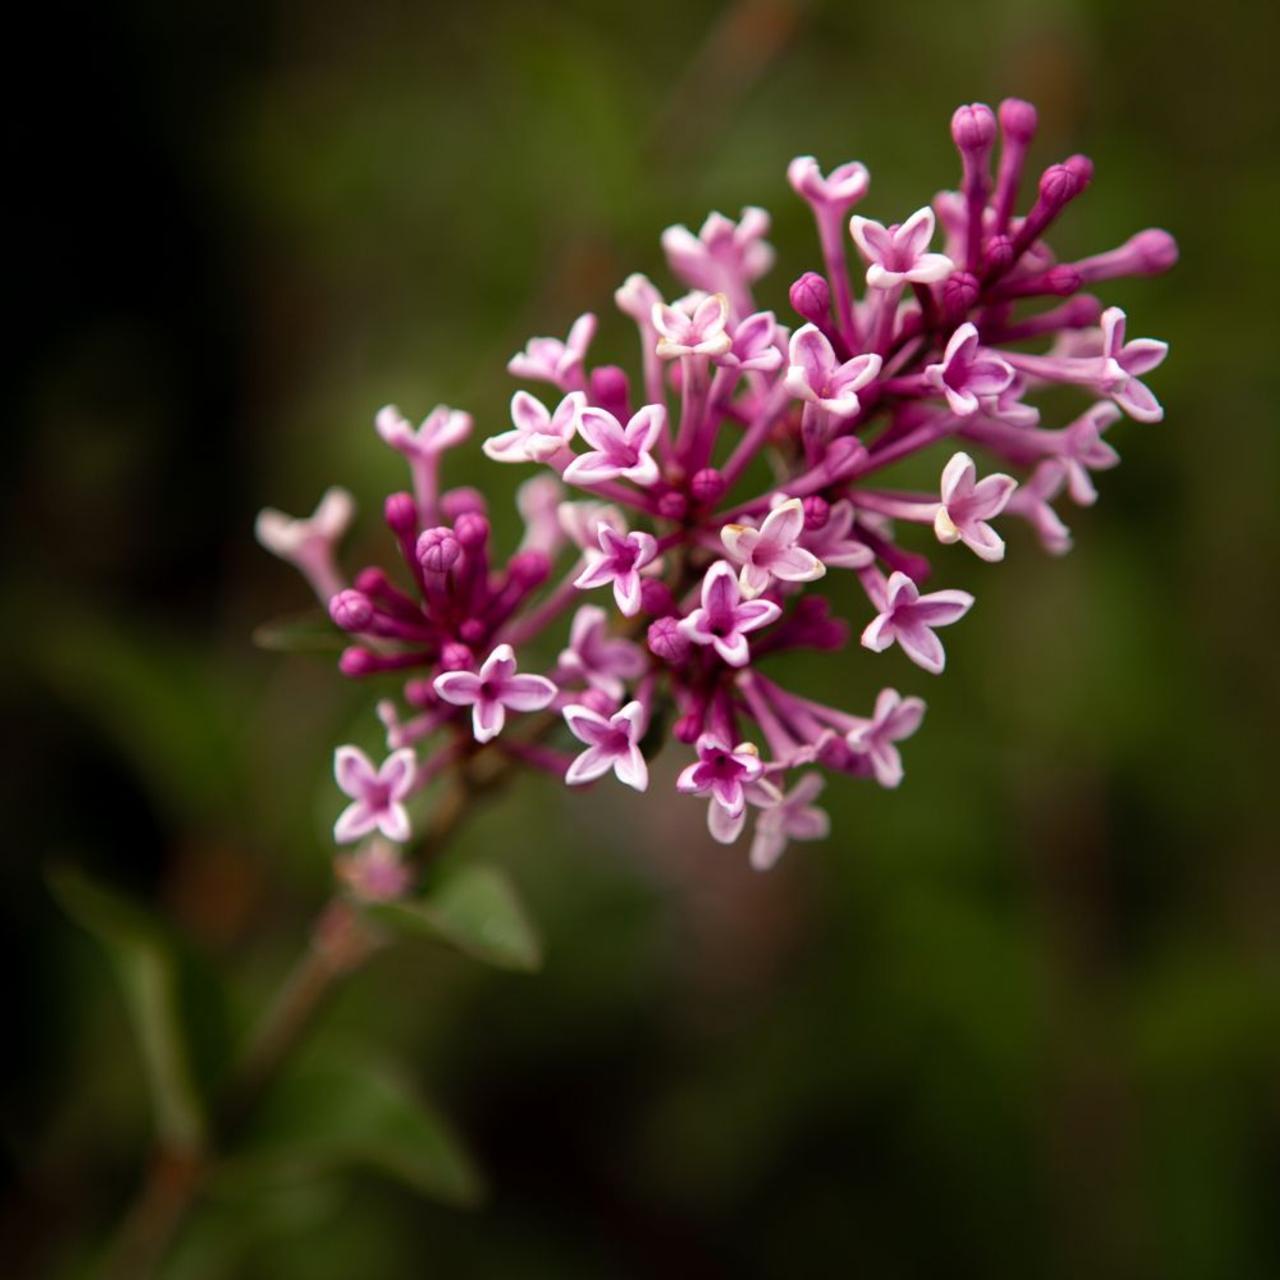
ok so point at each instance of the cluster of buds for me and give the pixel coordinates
(674, 527)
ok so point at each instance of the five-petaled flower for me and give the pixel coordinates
(793, 817)
(613, 742)
(968, 371)
(899, 254)
(816, 375)
(553, 361)
(968, 503)
(693, 326)
(602, 660)
(909, 618)
(376, 794)
(772, 550)
(894, 718)
(724, 617)
(538, 434)
(617, 450)
(619, 560)
(493, 690)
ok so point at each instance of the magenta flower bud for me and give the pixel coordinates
(817, 511)
(529, 568)
(462, 501)
(1059, 183)
(998, 253)
(656, 599)
(401, 514)
(707, 486)
(1082, 167)
(420, 693)
(611, 390)
(1081, 312)
(687, 728)
(471, 529)
(959, 294)
(351, 610)
(811, 298)
(1061, 281)
(438, 550)
(668, 642)
(456, 657)
(472, 632)
(1018, 119)
(1157, 250)
(371, 580)
(973, 128)
(356, 662)
(673, 506)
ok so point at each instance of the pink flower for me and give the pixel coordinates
(909, 618)
(1084, 451)
(838, 192)
(617, 450)
(793, 817)
(538, 500)
(729, 776)
(816, 376)
(694, 326)
(755, 345)
(604, 661)
(772, 551)
(725, 256)
(441, 429)
(1126, 362)
(581, 522)
(834, 545)
(725, 618)
(550, 360)
(376, 794)
(494, 690)
(968, 503)
(613, 742)
(897, 254)
(376, 873)
(538, 435)
(309, 544)
(967, 372)
(1032, 501)
(895, 718)
(621, 557)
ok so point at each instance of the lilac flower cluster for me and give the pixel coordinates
(742, 468)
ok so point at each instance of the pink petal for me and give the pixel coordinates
(398, 771)
(939, 608)
(733, 649)
(586, 725)
(783, 525)
(879, 633)
(393, 822)
(871, 237)
(914, 235)
(1142, 355)
(812, 353)
(527, 692)
(353, 771)
(631, 769)
(591, 468)
(719, 588)
(725, 826)
(886, 761)
(740, 541)
(593, 763)
(626, 592)
(991, 495)
(958, 478)
(904, 720)
(808, 824)
(487, 718)
(461, 688)
(751, 615)
(982, 540)
(1136, 400)
(922, 647)
(500, 664)
(601, 429)
(528, 413)
(355, 821)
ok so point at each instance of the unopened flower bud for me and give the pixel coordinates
(811, 298)
(438, 550)
(707, 486)
(1081, 312)
(959, 294)
(817, 511)
(1061, 281)
(529, 568)
(687, 728)
(356, 662)
(611, 390)
(456, 657)
(420, 693)
(997, 253)
(656, 598)
(1059, 183)
(1018, 119)
(471, 529)
(400, 514)
(973, 128)
(351, 610)
(462, 501)
(673, 506)
(1157, 250)
(667, 642)
(472, 632)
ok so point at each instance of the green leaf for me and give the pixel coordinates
(475, 910)
(145, 966)
(335, 1111)
(304, 633)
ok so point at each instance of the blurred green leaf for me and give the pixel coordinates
(476, 910)
(303, 633)
(344, 1110)
(146, 968)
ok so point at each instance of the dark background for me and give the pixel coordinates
(1020, 1018)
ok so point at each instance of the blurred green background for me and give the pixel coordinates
(1021, 1018)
